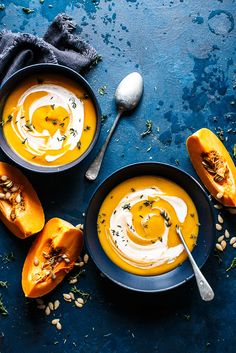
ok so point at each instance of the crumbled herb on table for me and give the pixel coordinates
(232, 265)
(148, 128)
(6, 258)
(102, 90)
(27, 10)
(3, 309)
(3, 284)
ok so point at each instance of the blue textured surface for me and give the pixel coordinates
(186, 53)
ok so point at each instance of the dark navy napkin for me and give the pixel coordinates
(59, 46)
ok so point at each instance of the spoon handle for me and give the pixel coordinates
(94, 168)
(205, 289)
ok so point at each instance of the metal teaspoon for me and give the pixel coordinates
(127, 97)
(205, 289)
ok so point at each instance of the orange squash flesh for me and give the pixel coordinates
(23, 218)
(51, 257)
(214, 165)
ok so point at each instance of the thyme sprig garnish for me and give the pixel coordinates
(73, 104)
(3, 309)
(102, 90)
(148, 203)
(148, 128)
(166, 217)
(9, 119)
(73, 132)
(84, 295)
(126, 206)
(232, 265)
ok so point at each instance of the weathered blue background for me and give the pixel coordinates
(186, 53)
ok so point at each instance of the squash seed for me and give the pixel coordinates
(218, 207)
(58, 325)
(73, 281)
(220, 238)
(80, 300)
(67, 260)
(234, 245)
(14, 188)
(218, 226)
(232, 240)
(51, 306)
(220, 219)
(81, 264)
(227, 235)
(56, 304)
(2, 195)
(8, 195)
(55, 321)
(4, 177)
(18, 198)
(223, 244)
(67, 296)
(53, 276)
(219, 195)
(219, 247)
(72, 295)
(47, 311)
(86, 258)
(79, 305)
(36, 261)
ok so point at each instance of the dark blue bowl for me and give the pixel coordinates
(172, 278)
(44, 69)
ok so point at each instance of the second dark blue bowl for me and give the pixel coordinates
(169, 279)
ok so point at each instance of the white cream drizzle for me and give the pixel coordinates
(41, 143)
(121, 221)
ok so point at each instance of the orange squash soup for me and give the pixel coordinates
(49, 121)
(136, 225)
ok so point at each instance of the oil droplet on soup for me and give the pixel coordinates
(136, 225)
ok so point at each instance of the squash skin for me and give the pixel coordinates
(29, 221)
(205, 141)
(57, 234)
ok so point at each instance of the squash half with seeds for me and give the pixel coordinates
(214, 165)
(20, 208)
(51, 257)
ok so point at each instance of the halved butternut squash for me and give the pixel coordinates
(214, 165)
(20, 208)
(51, 257)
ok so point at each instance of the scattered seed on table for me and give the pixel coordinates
(218, 226)
(81, 264)
(56, 304)
(223, 244)
(234, 245)
(220, 219)
(72, 296)
(219, 247)
(218, 207)
(227, 235)
(73, 281)
(232, 240)
(58, 325)
(80, 300)
(47, 311)
(79, 305)
(86, 258)
(55, 321)
(67, 297)
(51, 306)
(220, 238)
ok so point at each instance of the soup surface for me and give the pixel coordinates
(49, 121)
(136, 225)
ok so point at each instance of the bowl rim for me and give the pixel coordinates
(32, 70)
(114, 174)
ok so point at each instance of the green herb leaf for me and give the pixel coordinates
(232, 265)
(3, 309)
(84, 295)
(102, 90)
(148, 128)
(3, 284)
(27, 10)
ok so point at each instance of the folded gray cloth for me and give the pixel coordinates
(58, 46)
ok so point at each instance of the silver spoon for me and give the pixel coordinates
(127, 97)
(205, 289)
